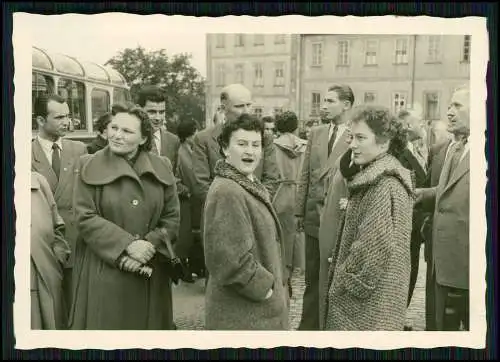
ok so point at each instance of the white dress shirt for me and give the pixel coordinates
(340, 130)
(47, 147)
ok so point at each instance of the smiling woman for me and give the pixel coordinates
(243, 239)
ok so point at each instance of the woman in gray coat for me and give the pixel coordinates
(370, 271)
(242, 236)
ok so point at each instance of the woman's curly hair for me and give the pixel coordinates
(135, 110)
(384, 125)
(245, 121)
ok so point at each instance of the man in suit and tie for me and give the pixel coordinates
(164, 142)
(413, 159)
(450, 226)
(326, 144)
(55, 158)
(235, 99)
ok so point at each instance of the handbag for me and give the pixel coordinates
(177, 270)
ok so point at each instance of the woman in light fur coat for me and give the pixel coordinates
(370, 271)
(242, 239)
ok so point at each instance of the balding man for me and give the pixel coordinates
(449, 261)
(235, 99)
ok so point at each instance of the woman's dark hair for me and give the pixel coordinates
(384, 125)
(102, 122)
(268, 119)
(134, 110)
(287, 122)
(186, 128)
(245, 121)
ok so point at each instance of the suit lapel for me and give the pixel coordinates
(323, 145)
(40, 164)
(462, 169)
(438, 161)
(415, 165)
(339, 148)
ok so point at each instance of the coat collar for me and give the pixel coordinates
(224, 169)
(104, 167)
(384, 165)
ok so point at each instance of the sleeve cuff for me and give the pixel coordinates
(258, 287)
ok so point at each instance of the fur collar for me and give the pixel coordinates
(385, 165)
(224, 169)
(104, 167)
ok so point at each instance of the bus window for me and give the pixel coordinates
(74, 92)
(100, 103)
(40, 85)
(120, 95)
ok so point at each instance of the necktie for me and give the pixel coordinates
(332, 139)
(455, 158)
(154, 148)
(56, 159)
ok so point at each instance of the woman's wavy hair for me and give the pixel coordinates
(135, 110)
(384, 125)
(245, 121)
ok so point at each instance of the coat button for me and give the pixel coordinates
(330, 260)
(65, 169)
(135, 202)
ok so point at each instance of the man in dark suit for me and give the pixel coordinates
(164, 143)
(450, 224)
(413, 159)
(326, 144)
(55, 158)
(235, 100)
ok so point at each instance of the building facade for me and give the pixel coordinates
(391, 70)
(265, 63)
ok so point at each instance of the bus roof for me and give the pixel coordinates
(61, 63)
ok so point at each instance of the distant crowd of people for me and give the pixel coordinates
(245, 203)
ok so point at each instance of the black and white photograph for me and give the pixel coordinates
(207, 183)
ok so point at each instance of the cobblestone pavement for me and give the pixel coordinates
(189, 302)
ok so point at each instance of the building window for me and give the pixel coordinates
(431, 104)
(240, 40)
(278, 110)
(74, 92)
(466, 50)
(316, 103)
(258, 39)
(370, 97)
(239, 73)
(399, 102)
(371, 48)
(279, 39)
(343, 53)
(401, 51)
(317, 54)
(100, 103)
(279, 74)
(434, 52)
(257, 111)
(220, 77)
(220, 41)
(258, 79)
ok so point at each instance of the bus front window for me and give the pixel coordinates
(100, 103)
(120, 95)
(74, 92)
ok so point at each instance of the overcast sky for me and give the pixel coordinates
(97, 38)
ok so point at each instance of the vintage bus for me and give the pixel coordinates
(89, 88)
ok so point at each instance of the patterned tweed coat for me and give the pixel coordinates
(369, 277)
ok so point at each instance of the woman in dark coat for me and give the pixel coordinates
(370, 271)
(49, 252)
(189, 247)
(101, 140)
(127, 209)
(244, 249)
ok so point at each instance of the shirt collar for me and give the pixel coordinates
(47, 145)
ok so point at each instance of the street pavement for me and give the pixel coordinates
(189, 302)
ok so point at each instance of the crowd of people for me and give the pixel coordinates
(244, 203)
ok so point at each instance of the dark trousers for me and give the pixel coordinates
(67, 289)
(310, 305)
(451, 307)
(415, 263)
(430, 300)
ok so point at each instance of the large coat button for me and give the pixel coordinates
(135, 202)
